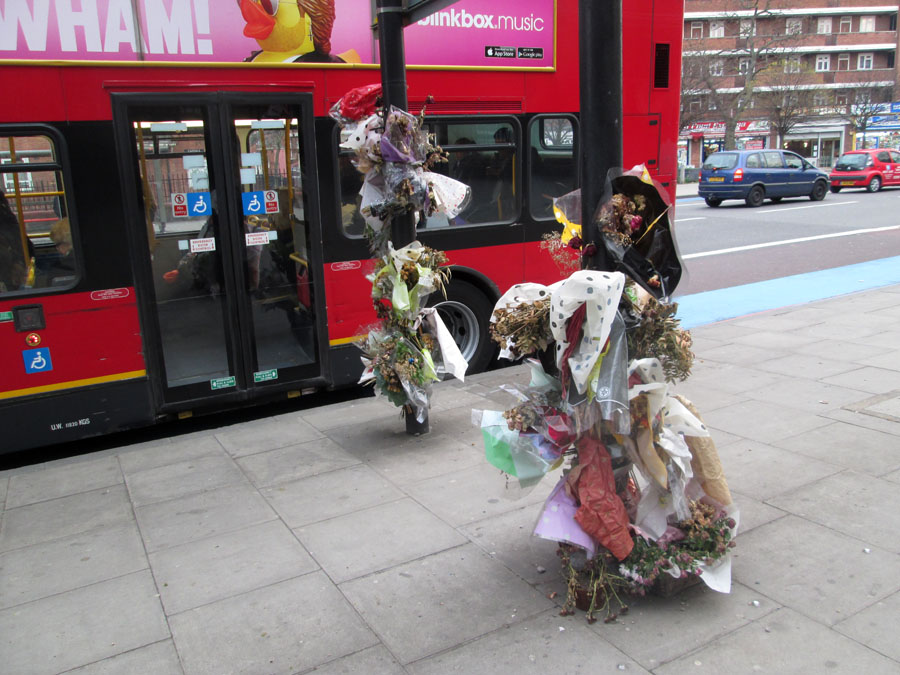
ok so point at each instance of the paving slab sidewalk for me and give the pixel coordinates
(328, 540)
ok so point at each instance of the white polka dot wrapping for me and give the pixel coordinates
(367, 129)
(451, 196)
(600, 293)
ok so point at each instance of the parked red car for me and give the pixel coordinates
(870, 169)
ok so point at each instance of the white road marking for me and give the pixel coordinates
(684, 220)
(813, 206)
(750, 247)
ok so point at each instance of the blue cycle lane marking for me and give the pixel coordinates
(699, 309)
(37, 360)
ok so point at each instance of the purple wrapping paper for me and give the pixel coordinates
(557, 521)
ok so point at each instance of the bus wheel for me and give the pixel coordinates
(467, 312)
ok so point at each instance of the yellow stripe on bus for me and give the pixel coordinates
(345, 341)
(72, 384)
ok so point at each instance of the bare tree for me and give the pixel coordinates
(727, 79)
(783, 94)
(870, 100)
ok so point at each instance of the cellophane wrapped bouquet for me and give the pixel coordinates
(643, 498)
(409, 348)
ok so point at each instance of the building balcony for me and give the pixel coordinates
(803, 44)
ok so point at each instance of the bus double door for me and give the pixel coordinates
(221, 190)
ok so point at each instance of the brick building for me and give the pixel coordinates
(801, 74)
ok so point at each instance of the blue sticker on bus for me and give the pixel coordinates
(199, 204)
(254, 203)
(37, 360)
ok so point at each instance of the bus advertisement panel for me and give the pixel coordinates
(470, 34)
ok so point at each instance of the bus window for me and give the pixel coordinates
(551, 168)
(483, 155)
(351, 180)
(37, 248)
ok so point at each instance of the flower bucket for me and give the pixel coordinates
(667, 586)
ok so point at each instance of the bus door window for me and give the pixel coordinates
(181, 215)
(37, 247)
(277, 241)
(551, 163)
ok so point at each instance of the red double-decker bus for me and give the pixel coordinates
(180, 230)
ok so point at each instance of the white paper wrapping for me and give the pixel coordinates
(600, 293)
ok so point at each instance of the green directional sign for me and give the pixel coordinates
(222, 383)
(265, 375)
(6, 316)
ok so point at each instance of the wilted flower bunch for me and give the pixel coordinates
(621, 216)
(411, 267)
(698, 542)
(400, 366)
(560, 252)
(591, 584)
(657, 333)
(525, 328)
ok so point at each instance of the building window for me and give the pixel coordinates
(840, 100)
(695, 105)
(823, 63)
(892, 25)
(890, 60)
(793, 26)
(696, 30)
(744, 66)
(845, 24)
(711, 104)
(864, 61)
(792, 64)
(843, 62)
(824, 25)
(867, 24)
(820, 99)
(716, 68)
(716, 29)
(748, 28)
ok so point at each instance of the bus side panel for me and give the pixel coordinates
(89, 337)
(348, 297)
(504, 264)
(668, 26)
(348, 293)
(556, 92)
(92, 411)
(32, 94)
(637, 57)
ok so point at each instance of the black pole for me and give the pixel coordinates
(393, 87)
(391, 50)
(600, 54)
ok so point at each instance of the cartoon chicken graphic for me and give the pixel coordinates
(290, 31)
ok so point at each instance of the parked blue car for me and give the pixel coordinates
(756, 175)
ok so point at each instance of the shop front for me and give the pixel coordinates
(701, 139)
(820, 141)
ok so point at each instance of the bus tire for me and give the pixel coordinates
(466, 312)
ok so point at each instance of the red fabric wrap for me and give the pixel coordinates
(359, 103)
(601, 514)
(573, 337)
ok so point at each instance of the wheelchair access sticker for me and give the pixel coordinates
(259, 201)
(37, 360)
